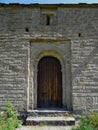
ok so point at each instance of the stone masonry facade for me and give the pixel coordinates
(68, 32)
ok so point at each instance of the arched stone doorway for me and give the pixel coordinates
(49, 78)
(64, 64)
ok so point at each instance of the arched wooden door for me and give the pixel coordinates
(49, 90)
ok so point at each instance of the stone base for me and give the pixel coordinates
(48, 112)
(49, 117)
(57, 121)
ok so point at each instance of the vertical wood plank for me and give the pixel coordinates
(49, 83)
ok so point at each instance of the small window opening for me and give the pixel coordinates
(79, 34)
(27, 29)
(48, 20)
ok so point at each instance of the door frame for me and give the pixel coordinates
(66, 84)
(59, 48)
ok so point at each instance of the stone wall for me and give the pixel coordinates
(85, 74)
(13, 71)
(19, 24)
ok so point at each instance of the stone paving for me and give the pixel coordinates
(52, 121)
(45, 128)
(60, 118)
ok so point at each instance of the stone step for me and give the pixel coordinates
(49, 113)
(53, 121)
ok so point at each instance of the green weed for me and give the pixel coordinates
(9, 119)
(88, 122)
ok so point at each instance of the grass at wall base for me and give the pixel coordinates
(88, 122)
(9, 119)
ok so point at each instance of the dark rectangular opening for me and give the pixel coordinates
(48, 20)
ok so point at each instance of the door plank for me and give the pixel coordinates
(49, 83)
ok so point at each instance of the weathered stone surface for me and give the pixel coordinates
(54, 121)
(19, 24)
(85, 73)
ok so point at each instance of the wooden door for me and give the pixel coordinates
(49, 90)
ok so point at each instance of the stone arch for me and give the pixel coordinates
(66, 81)
(52, 53)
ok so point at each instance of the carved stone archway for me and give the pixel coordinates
(37, 52)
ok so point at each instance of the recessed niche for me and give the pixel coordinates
(27, 29)
(47, 19)
(79, 34)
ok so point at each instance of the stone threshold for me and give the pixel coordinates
(55, 121)
(48, 112)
